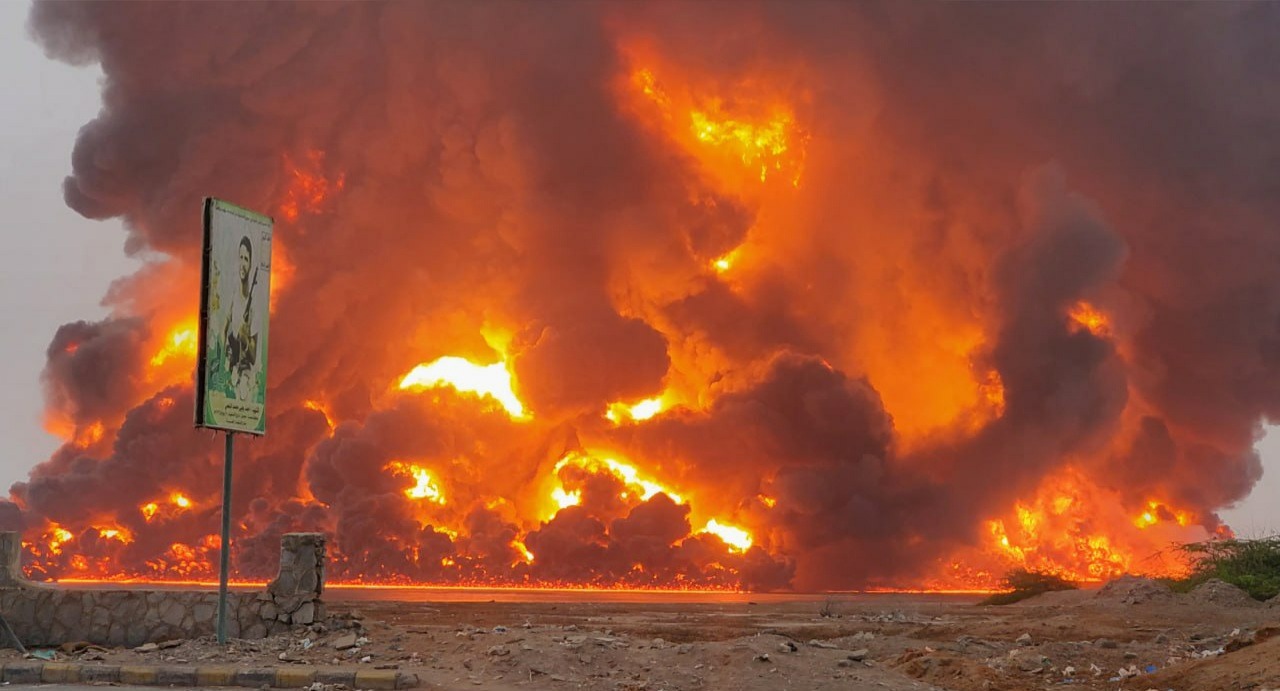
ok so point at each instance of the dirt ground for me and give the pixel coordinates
(1131, 634)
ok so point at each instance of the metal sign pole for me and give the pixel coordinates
(225, 566)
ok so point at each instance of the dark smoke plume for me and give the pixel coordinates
(891, 362)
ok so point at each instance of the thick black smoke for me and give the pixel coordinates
(967, 169)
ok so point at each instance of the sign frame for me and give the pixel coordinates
(231, 367)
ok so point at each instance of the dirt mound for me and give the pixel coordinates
(1257, 666)
(1133, 590)
(1223, 594)
(953, 671)
(1057, 598)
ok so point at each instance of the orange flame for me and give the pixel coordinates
(424, 487)
(523, 550)
(180, 343)
(118, 534)
(492, 381)
(1073, 529)
(737, 539)
(1157, 512)
(639, 486)
(176, 503)
(636, 484)
(763, 137)
(56, 537)
(618, 413)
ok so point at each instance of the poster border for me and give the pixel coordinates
(202, 324)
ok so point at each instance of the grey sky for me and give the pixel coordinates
(57, 265)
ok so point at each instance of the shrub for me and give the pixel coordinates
(1021, 584)
(1251, 565)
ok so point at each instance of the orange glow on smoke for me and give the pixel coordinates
(282, 271)
(492, 381)
(90, 434)
(320, 407)
(992, 390)
(1085, 316)
(307, 188)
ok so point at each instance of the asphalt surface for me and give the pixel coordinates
(85, 687)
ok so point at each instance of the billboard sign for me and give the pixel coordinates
(231, 364)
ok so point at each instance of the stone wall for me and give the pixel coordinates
(43, 614)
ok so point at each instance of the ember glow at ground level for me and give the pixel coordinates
(797, 297)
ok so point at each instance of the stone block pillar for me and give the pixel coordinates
(11, 560)
(297, 588)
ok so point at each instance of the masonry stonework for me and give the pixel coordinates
(43, 614)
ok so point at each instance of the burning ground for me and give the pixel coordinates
(810, 296)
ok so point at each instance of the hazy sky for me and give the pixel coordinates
(57, 265)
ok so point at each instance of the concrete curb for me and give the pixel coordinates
(299, 676)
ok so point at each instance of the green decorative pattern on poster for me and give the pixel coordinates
(232, 381)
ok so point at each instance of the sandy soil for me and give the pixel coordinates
(1130, 635)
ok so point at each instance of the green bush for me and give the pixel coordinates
(1251, 565)
(1021, 584)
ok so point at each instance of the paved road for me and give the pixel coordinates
(82, 687)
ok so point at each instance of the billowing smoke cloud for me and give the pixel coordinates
(893, 271)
